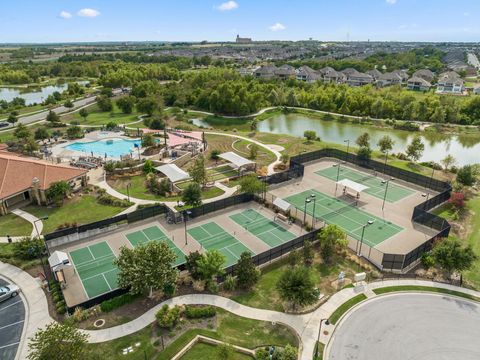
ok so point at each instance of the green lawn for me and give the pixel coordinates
(221, 172)
(389, 289)
(230, 328)
(80, 210)
(202, 351)
(347, 305)
(264, 156)
(14, 225)
(139, 190)
(97, 117)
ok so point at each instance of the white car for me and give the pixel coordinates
(8, 291)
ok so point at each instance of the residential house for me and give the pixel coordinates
(424, 74)
(389, 79)
(356, 78)
(418, 84)
(26, 180)
(331, 75)
(403, 74)
(374, 73)
(476, 90)
(265, 72)
(285, 72)
(306, 73)
(450, 83)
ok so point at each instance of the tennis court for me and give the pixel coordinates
(346, 216)
(95, 268)
(212, 237)
(375, 185)
(267, 230)
(154, 233)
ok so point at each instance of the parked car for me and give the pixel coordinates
(3, 124)
(8, 291)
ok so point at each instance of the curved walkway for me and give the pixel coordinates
(305, 326)
(33, 220)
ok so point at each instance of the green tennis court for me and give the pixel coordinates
(154, 233)
(346, 216)
(213, 237)
(95, 268)
(375, 185)
(265, 229)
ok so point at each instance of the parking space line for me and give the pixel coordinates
(6, 307)
(12, 344)
(15, 323)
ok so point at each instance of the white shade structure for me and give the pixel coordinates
(282, 204)
(237, 160)
(173, 172)
(58, 260)
(352, 185)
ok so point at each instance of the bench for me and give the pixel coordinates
(282, 217)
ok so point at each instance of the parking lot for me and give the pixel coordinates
(12, 317)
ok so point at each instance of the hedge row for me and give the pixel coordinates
(195, 312)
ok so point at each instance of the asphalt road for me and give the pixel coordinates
(12, 316)
(409, 327)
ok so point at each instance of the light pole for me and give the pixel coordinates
(186, 213)
(319, 332)
(264, 187)
(313, 196)
(35, 224)
(41, 255)
(369, 222)
(128, 191)
(386, 189)
(385, 163)
(431, 178)
(338, 176)
(348, 146)
(307, 200)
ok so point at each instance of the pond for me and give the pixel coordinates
(33, 95)
(465, 149)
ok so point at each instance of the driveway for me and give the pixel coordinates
(409, 327)
(12, 316)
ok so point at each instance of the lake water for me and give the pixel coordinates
(33, 95)
(465, 149)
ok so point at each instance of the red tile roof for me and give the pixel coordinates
(17, 173)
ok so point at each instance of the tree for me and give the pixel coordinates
(215, 155)
(364, 153)
(284, 158)
(450, 256)
(191, 264)
(126, 104)
(250, 184)
(246, 271)
(22, 133)
(149, 105)
(42, 133)
(385, 144)
(148, 140)
(296, 285)
(210, 265)
(28, 248)
(12, 119)
(147, 267)
(53, 117)
(192, 195)
(104, 103)
(68, 104)
(198, 172)
(254, 125)
(83, 113)
(363, 140)
(156, 123)
(253, 151)
(307, 253)
(74, 132)
(148, 167)
(58, 342)
(448, 162)
(467, 175)
(415, 149)
(310, 135)
(330, 237)
(30, 145)
(58, 191)
(457, 200)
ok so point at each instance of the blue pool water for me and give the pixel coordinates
(112, 147)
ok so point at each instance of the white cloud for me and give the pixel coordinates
(391, 2)
(277, 27)
(227, 6)
(65, 15)
(88, 13)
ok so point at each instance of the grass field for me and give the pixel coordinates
(202, 351)
(347, 305)
(14, 225)
(81, 210)
(390, 289)
(97, 117)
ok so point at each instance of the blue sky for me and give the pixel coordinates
(195, 20)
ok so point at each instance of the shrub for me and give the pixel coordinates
(196, 312)
(28, 248)
(61, 309)
(166, 317)
(116, 302)
(107, 199)
(230, 283)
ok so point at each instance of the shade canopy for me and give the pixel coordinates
(175, 140)
(58, 260)
(235, 159)
(352, 185)
(173, 172)
(282, 204)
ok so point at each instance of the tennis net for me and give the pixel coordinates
(367, 177)
(96, 263)
(258, 224)
(347, 207)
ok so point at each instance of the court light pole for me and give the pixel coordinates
(128, 191)
(369, 222)
(38, 236)
(307, 200)
(314, 197)
(338, 176)
(319, 332)
(386, 189)
(186, 213)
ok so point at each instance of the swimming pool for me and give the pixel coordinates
(114, 148)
